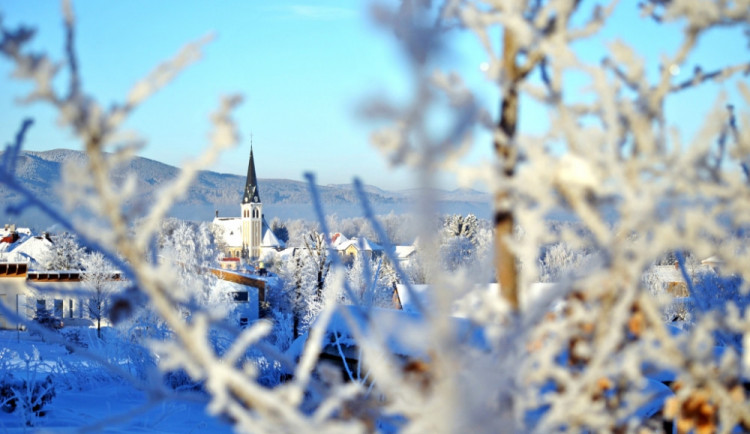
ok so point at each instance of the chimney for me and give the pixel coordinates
(217, 213)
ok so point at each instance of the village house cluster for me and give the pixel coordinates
(247, 241)
(27, 288)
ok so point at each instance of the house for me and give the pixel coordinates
(405, 253)
(26, 248)
(247, 299)
(353, 248)
(246, 288)
(229, 263)
(60, 293)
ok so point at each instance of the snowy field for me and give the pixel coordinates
(86, 395)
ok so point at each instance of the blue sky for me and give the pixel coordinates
(304, 69)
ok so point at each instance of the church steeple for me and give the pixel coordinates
(252, 213)
(251, 194)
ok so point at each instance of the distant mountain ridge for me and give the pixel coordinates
(40, 172)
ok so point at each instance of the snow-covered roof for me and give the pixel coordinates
(13, 257)
(401, 332)
(337, 239)
(366, 245)
(469, 301)
(712, 260)
(7, 246)
(667, 273)
(286, 254)
(32, 247)
(232, 230)
(421, 292)
(270, 239)
(403, 252)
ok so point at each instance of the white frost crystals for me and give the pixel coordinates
(577, 368)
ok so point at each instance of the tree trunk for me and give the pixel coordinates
(505, 261)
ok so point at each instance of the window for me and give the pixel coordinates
(243, 322)
(41, 307)
(240, 296)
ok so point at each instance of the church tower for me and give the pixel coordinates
(252, 213)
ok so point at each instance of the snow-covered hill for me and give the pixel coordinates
(40, 173)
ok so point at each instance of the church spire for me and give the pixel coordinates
(251, 194)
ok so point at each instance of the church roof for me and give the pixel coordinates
(232, 233)
(270, 239)
(251, 194)
(231, 230)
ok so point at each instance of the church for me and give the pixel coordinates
(247, 237)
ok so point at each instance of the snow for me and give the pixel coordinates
(407, 302)
(72, 408)
(712, 261)
(360, 244)
(667, 274)
(86, 394)
(26, 249)
(232, 230)
(403, 252)
(246, 310)
(286, 254)
(337, 239)
(269, 238)
(401, 332)
(534, 293)
(398, 330)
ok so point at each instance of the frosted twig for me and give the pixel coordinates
(683, 270)
(245, 339)
(318, 207)
(343, 357)
(224, 135)
(7, 178)
(10, 156)
(720, 74)
(388, 248)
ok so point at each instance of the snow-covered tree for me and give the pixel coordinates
(315, 256)
(608, 146)
(190, 248)
(99, 282)
(559, 261)
(457, 225)
(457, 252)
(303, 284)
(299, 229)
(279, 229)
(65, 254)
(372, 282)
